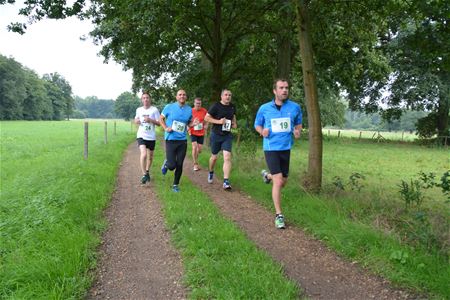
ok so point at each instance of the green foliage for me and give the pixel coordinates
(411, 193)
(375, 121)
(445, 185)
(126, 105)
(354, 182)
(426, 126)
(23, 95)
(12, 89)
(92, 107)
(419, 56)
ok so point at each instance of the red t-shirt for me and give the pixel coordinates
(200, 115)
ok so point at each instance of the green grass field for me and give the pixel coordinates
(51, 201)
(371, 225)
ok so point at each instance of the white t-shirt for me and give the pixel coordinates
(147, 130)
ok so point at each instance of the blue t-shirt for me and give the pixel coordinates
(281, 123)
(178, 118)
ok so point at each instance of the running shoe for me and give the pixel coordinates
(279, 222)
(164, 167)
(145, 178)
(175, 188)
(210, 177)
(266, 179)
(226, 185)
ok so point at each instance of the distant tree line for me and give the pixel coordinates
(92, 107)
(360, 120)
(26, 96)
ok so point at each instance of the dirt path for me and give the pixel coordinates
(321, 273)
(137, 259)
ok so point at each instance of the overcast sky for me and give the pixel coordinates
(51, 46)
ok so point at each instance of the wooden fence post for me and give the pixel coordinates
(106, 132)
(86, 131)
(360, 133)
(328, 132)
(339, 133)
(115, 133)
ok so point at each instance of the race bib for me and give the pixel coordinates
(149, 127)
(226, 126)
(199, 126)
(178, 126)
(281, 124)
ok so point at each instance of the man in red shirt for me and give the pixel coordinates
(197, 132)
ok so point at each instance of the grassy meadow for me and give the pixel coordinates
(51, 202)
(365, 221)
(369, 134)
(52, 199)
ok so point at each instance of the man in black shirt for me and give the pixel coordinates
(223, 117)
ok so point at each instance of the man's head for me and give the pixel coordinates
(197, 103)
(146, 99)
(225, 96)
(281, 89)
(181, 97)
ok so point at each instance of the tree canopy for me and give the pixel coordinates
(23, 95)
(385, 56)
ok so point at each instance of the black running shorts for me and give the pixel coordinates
(278, 161)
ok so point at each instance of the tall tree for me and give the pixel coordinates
(314, 179)
(126, 105)
(60, 92)
(159, 36)
(12, 89)
(36, 103)
(419, 53)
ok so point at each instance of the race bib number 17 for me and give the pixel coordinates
(226, 126)
(281, 124)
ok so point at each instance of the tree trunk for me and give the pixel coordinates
(217, 63)
(283, 56)
(313, 181)
(284, 45)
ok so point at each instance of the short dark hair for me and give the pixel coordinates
(277, 80)
(223, 91)
(146, 92)
(198, 98)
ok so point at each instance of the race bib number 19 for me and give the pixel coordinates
(226, 126)
(281, 124)
(178, 126)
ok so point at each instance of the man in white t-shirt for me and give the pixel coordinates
(147, 117)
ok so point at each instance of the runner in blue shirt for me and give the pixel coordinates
(278, 122)
(175, 118)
